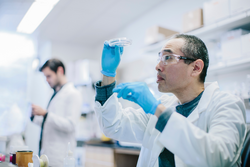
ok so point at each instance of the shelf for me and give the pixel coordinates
(209, 32)
(229, 67)
(214, 30)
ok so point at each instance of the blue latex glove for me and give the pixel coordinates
(139, 93)
(111, 57)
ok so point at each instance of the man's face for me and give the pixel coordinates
(173, 77)
(51, 77)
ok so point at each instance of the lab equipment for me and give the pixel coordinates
(11, 155)
(2, 157)
(120, 42)
(14, 151)
(3, 140)
(30, 165)
(111, 57)
(43, 161)
(248, 85)
(139, 93)
(12, 121)
(13, 158)
(69, 160)
(23, 158)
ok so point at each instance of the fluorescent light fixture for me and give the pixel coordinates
(35, 15)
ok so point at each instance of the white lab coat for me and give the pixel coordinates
(59, 127)
(211, 136)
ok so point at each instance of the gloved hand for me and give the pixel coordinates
(139, 93)
(111, 57)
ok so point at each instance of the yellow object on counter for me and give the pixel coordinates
(104, 138)
(43, 161)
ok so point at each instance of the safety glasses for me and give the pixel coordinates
(169, 58)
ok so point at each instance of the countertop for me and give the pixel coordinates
(98, 143)
(117, 148)
(6, 164)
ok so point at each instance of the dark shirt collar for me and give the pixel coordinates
(186, 108)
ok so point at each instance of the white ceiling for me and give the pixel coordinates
(79, 22)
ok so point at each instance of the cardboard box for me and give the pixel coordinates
(237, 6)
(156, 33)
(192, 20)
(215, 10)
(233, 34)
(231, 45)
(231, 50)
(245, 45)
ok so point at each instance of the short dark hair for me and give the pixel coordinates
(195, 48)
(53, 64)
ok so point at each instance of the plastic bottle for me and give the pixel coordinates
(69, 160)
(248, 85)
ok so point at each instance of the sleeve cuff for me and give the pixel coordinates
(109, 74)
(103, 92)
(163, 119)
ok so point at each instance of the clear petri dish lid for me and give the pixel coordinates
(120, 42)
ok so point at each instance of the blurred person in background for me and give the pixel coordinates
(58, 121)
(198, 126)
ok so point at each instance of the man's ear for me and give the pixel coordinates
(60, 70)
(198, 66)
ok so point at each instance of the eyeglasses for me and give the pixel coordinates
(171, 58)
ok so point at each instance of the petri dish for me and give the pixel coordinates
(120, 42)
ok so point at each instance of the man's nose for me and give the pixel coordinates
(159, 67)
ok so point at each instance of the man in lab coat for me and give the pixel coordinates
(58, 121)
(198, 126)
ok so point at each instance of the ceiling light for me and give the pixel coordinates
(35, 15)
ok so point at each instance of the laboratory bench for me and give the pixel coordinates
(6, 164)
(100, 154)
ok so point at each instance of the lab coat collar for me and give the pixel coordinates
(65, 86)
(210, 88)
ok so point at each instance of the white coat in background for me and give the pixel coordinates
(211, 136)
(64, 112)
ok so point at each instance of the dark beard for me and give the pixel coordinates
(57, 85)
